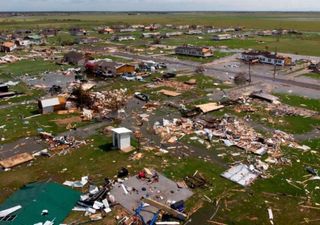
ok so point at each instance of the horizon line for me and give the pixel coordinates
(158, 11)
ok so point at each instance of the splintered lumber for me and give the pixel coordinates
(169, 93)
(215, 222)
(309, 207)
(165, 208)
(16, 160)
(208, 107)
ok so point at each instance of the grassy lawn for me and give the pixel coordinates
(296, 124)
(313, 75)
(31, 67)
(17, 127)
(237, 205)
(27, 94)
(217, 55)
(263, 20)
(294, 100)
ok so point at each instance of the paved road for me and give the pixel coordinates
(213, 69)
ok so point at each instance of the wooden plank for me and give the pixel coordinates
(165, 208)
(16, 160)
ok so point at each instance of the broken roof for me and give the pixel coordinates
(265, 96)
(35, 197)
(240, 174)
(8, 44)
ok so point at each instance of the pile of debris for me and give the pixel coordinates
(236, 132)
(172, 131)
(96, 202)
(180, 86)
(60, 144)
(283, 110)
(8, 59)
(107, 101)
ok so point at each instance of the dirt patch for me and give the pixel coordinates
(75, 119)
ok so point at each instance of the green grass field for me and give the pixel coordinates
(313, 75)
(16, 126)
(268, 20)
(30, 67)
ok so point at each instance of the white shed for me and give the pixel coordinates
(122, 138)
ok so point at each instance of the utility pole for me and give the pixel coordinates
(275, 64)
(250, 72)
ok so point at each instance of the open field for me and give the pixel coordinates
(299, 21)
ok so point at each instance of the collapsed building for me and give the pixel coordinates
(266, 57)
(194, 51)
(108, 69)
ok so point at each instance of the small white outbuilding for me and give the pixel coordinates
(122, 139)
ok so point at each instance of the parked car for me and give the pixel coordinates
(129, 76)
(141, 96)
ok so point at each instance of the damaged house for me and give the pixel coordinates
(49, 32)
(173, 34)
(194, 32)
(221, 37)
(266, 57)
(106, 30)
(109, 69)
(194, 51)
(4, 91)
(8, 46)
(151, 35)
(74, 58)
(34, 39)
(75, 31)
(51, 105)
(122, 38)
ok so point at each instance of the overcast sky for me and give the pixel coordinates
(159, 5)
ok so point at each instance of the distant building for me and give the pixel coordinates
(127, 30)
(87, 40)
(106, 30)
(107, 68)
(228, 30)
(34, 39)
(265, 33)
(137, 26)
(75, 31)
(266, 57)
(172, 34)
(221, 37)
(49, 32)
(214, 30)
(151, 35)
(122, 38)
(183, 27)
(194, 51)
(194, 32)
(8, 46)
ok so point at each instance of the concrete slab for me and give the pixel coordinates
(165, 191)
